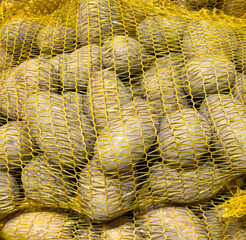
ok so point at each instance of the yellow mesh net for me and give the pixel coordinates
(123, 119)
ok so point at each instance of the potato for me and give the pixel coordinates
(209, 74)
(227, 117)
(124, 54)
(75, 68)
(126, 141)
(187, 185)
(55, 39)
(235, 8)
(219, 229)
(19, 35)
(161, 34)
(16, 147)
(208, 38)
(241, 51)
(239, 89)
(98, 20)
(46, 184)
(6, 60)
(60, 129)
(81, 101)
(121, 228)
(9, 194)
(184, 137)
(169, 222)
(105, 197)
(163, 82)
(29, 77)
(198, 4)
(39, 225)
(106, 94)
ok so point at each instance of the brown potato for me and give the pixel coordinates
(56, 39)
(184, 138)
(106, 94)
(239, 89)
(16, 147)
(9, 194)
(75, 68)
(29, 77)
(187, 185)
(105, 197)
(123, 54)
(60, 129)
(39, 225)
(169, 222)
(227, 117)
(125, 142)
(209, 74)
(46, 185)
(235, 8)
(161, 34)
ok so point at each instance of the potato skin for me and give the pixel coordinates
(39, 225)
(27, 78)
(227, 117)
(209, 74)
(189, 185)
(105, 197)
(125, 141)
(106, 94)
(123, 54)
(45, 184)
(169, 222)
(60, 129)
(184, 137)
(9, 194)
(76, 68)
(16, 146)
(56, 39)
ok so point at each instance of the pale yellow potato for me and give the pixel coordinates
(209, 74)
(106, 95)
(162, 84)
(187, 185)
(46, 185)
(31, 76)
(105, 197)
(16, 146)
(227, 118)
(205, 37)
(239, 88)
(76, 68)
(123, 54)
(39, 225)
(121, 228)
(125, 142)
(19, 35)
(161, 34)
(9, 194)
(184, 137)
(60, 129)
(169, 222)
(98, 20)
(55, 39)
(6, 60)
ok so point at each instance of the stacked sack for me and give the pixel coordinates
(122, 120)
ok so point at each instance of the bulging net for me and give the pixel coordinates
(123, 119)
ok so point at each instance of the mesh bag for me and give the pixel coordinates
(123, 119)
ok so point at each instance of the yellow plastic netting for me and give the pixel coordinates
(123, 119)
